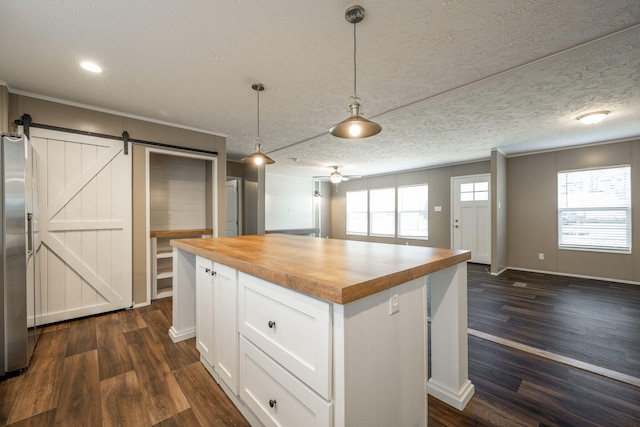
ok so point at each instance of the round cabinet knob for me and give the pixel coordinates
(272, 324)
(206, 270)
(213, 273)
(272, 403)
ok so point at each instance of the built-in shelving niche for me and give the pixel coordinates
(181, 193)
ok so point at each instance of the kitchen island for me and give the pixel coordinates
(310, 331)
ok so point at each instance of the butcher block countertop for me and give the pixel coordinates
(178, 233)
(338, 271)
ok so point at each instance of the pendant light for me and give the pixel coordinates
(258, 157)
(355, 126)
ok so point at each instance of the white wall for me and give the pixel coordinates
(288, 203)
(177, 192)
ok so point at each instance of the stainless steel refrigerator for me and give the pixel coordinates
(19, 275)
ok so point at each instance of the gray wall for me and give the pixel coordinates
(524, 209)
(499, 255)
(253, 202)
(532, 212)
(439, 180)
(253, 195)
(325, 209)
(4, 109)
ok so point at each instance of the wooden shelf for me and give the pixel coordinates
(165, 275)
(181, 233)
(162, 258)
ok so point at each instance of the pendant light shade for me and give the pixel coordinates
(258, 157)
(355, 126)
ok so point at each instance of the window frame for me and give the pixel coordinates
(581, 210)
(365, 212)
(383, 212)
(400, 211)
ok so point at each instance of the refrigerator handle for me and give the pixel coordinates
(29, 233)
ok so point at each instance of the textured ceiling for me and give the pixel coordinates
(447, 80)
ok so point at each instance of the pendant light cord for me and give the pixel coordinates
(258, 123)
(355, 91)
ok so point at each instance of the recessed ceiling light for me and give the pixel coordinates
(91, 66)
(593, 117)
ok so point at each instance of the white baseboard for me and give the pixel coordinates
(580, 276)
(182, 335)
(456, 398)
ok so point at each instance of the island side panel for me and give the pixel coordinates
(449, 380)
(184, 296)
(380, 360)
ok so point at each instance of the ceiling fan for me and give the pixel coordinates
(336, 177)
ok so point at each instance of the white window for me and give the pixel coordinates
(474, 191)
(594, 209)
(382, 211)
(413, 211)
(357, 212)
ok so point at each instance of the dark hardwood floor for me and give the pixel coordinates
(593, 321)
(123, 369)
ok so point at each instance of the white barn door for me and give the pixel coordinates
(85, 216)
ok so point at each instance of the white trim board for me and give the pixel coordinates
(608, 373)
(581, 276)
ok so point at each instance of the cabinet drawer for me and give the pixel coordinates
(292, 328)
(275, 396)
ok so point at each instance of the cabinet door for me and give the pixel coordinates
(205, 330)
(292, 328)
(226, 321)
(275, 396)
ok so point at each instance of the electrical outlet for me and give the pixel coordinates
(394, 304)
(540, 256)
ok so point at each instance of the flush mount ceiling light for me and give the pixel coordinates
(91, 66)
(355, 126)
(258, 157)
(593, 117)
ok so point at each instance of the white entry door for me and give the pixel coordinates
(472, 216)
(232, 207)
(85, 218)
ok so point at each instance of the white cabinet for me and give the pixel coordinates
(289, 359)
(275, 396)
(216, 319)
(226, 324)
(205, 330)
(292, 328)
(285, 354)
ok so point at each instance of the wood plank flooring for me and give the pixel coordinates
(593, 321)
(122, 369)
(117, 369)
